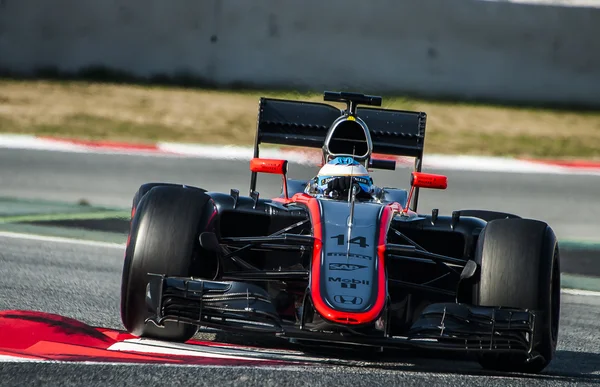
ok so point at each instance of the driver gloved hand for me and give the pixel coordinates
(339, 184)
(342, 185)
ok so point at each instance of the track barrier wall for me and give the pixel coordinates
(466, 49)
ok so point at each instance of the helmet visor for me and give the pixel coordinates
(364, 182)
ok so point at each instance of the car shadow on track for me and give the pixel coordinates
(567, 367)
(573, 363)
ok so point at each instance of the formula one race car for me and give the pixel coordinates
(337, 260)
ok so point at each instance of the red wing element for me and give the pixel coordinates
(428, 180)
(275, 166)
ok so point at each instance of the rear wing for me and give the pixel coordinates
(305, 124)
(295, 123)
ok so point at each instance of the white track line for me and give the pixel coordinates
(165, 349)
(16, 359)
(16, 235)
(577, 292)
(287, 367)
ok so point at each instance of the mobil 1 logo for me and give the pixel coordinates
(348, 283)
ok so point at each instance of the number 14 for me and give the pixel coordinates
(359, 240)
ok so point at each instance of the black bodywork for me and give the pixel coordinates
(294, 268)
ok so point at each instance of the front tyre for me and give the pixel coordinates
(520, 268)
(163, 240)
(146, 187)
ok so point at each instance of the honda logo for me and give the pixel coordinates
(348, 300)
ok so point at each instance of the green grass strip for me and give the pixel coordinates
(579, 282)
(58, 217)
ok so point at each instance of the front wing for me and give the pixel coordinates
(239, 307)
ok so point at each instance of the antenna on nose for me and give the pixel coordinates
(351, 200)
(351, 178)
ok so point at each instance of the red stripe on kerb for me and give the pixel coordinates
(103, 144)
(351, 318)
(43, 336)
(573, 164)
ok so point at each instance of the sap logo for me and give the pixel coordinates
(348, 283)
(345, 266)
(348, 300)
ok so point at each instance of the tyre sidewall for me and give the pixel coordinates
(163, 240)
(520, 285)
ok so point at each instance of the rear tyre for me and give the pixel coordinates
(519, 267)
(163, 240)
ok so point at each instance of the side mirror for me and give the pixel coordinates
(425, 180)
(428, 180)
(274, 166)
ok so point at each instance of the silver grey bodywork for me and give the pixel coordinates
(349, 266)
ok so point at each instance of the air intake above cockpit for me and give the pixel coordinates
(348, 135)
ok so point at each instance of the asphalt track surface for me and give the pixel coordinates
(567, 202)
(83, 282)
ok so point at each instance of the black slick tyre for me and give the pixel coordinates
(520, 268)
(145, 188)
(163, 240)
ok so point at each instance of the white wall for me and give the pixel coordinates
(463, 48)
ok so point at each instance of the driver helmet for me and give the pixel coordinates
(343, 166)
